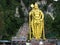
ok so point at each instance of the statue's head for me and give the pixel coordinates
(36, 5)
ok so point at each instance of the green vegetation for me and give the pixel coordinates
(9, 24)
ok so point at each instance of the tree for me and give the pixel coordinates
(9, 23)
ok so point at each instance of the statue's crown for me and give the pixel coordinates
(36, 4)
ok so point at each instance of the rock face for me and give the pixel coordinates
(23, 31)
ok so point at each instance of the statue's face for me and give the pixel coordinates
(36, 5)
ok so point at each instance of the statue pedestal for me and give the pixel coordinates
(44, 42)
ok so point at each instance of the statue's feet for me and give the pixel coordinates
(44, 38)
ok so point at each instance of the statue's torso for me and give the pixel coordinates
(36, 16)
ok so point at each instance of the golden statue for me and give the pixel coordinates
(36, 22)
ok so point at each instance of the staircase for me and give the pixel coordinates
(22, 34)
(23, 31)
